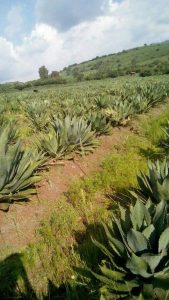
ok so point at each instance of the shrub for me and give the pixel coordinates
(146, 72)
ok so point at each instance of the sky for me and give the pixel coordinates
(57, 33)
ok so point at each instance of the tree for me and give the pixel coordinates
(54, 74)
(43, 72)
(77, 74)
(68, 71)
(146, 72)
(134, 62)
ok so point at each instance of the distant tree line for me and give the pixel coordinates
(44, 79)
(44, 73)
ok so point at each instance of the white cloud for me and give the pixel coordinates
(64, 14)
(8, 59)
(127, 24)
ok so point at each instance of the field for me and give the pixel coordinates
(70, 154)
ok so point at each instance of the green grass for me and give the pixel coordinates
(153, 125)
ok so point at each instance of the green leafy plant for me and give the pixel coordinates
(123, 110)
(55, 146)
(38, 114)
(155, 92)
(99, 123)
(11, 132)
(136, 264)
(155, 184)
(17, 172)
(67, 136)
(165, 142)
(102, 102)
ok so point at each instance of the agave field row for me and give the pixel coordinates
(59, 123)
(136, 248)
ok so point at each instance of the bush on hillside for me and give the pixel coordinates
(146, 72)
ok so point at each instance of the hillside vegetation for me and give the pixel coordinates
(143, 61)
(146, 61)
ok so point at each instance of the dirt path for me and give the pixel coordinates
(18, 226)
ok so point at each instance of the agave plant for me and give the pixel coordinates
(38, 114)
(55, 146)
(153, 92)
(99, 123)
(140, 104)
(165, 142)
(67, 136)
(137, 254)
(120, 111)
(17, 172)
(102, 102)
(10, 131)
(139, 99)
(155, 185)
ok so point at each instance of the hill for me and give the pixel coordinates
(147, 60)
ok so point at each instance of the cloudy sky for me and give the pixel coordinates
(56, 33)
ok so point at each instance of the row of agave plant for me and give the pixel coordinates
(73, 135)
(114, 105)
(136, 249)
(20, 165)
(76, 124)
(73, 128)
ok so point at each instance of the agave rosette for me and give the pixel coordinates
(137, 254)
(155, 184)
(67, 136)
(18, 172)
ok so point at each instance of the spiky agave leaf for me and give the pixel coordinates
(54, 145)
(102, 102)
(17, 172)
(38, 114)
(165, 142)
(153, 92)
(76, 132)
(67, 136)
(119, 111)
(10, 131)
(137, 253)
(154, 185)
(99, 123)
